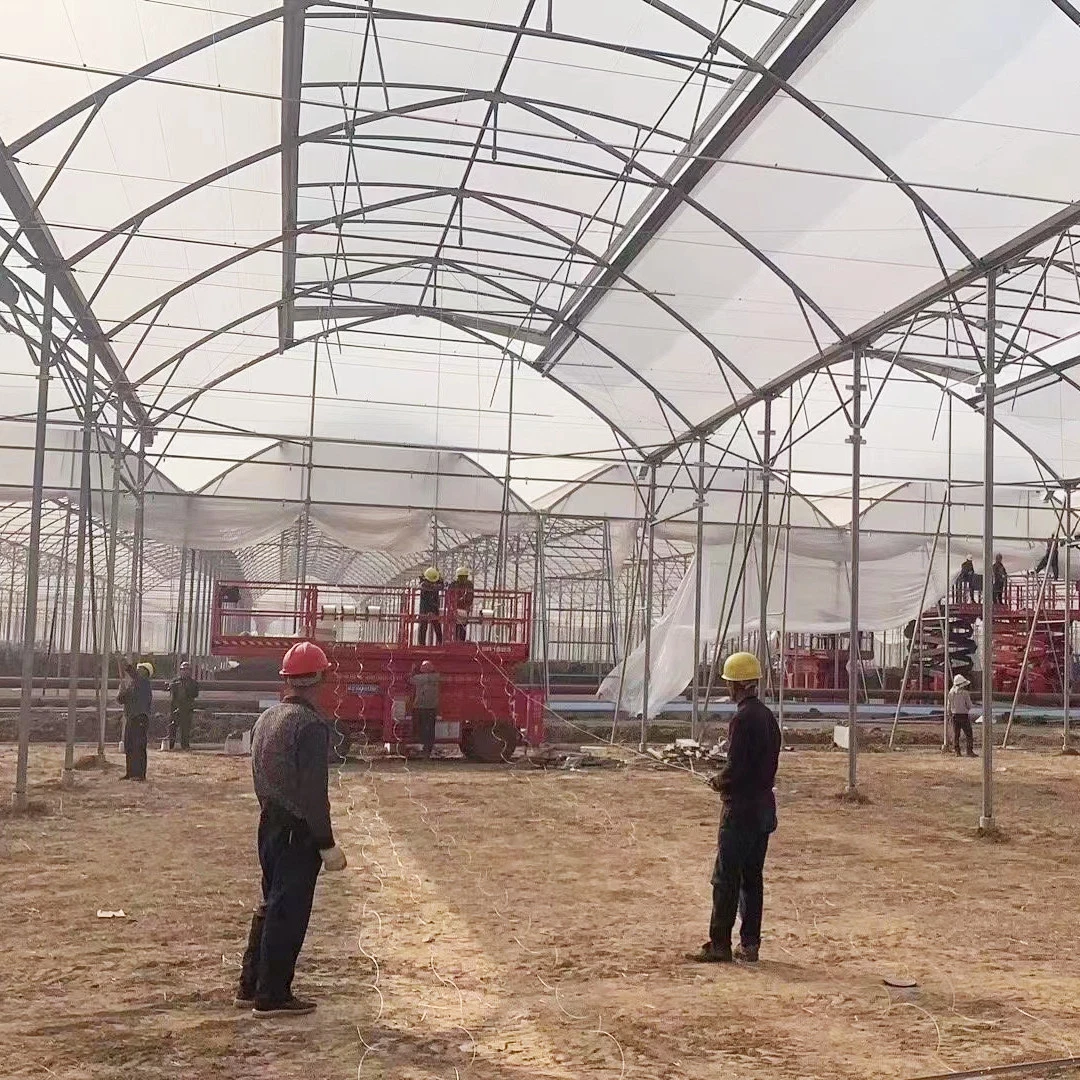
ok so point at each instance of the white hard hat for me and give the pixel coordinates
(959, 680)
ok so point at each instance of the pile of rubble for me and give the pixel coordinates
(690, 754)
(587, 757)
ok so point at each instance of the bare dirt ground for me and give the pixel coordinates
(498, 924)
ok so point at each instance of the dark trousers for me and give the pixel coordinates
(180, 721)
(998, 592)
(136, 731)
(290, 867)
(460, 632)
(430, 627)
(961, 722)
(425, 728)
(738, 885)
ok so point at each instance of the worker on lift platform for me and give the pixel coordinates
(966, 583)
(290, 748)
(749, 816)
(431, 587)
(460, 597)
(1001, 581)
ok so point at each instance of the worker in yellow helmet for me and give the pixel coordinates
(431, 588)
(748, 818)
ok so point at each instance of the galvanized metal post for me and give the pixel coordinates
(649, 582)
(699, 558)
(763, 560)
(541, 602)
(133, 639)
(947, 628)
(1066, 678)
(854, 658)
(108, 644)
(33, 555)
(986, 817)
(84, 518)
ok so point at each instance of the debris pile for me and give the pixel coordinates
(551, 757)
(690, 754)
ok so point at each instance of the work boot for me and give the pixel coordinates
(747, 954)
(291, 1006)
(710, 954)
(971, 753)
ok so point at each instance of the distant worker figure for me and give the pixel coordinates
(960, 706)
(460, 597)
(184, 691)
(425, 685)
(1001, 581)
(431, 587)
(748, 817)
(290, 747)
(137, 698)
(1049, 556)
(965, 583)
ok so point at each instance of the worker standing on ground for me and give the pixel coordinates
(748, 817)
(960, 706)
(431, 587)
(425, 685)
(289, 752)
(136, 696)
(184, 691)
(459, 599)
(1001, 581)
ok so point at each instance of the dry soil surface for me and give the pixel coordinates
(513, 924)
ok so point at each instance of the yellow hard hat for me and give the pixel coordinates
(146, 668)
(431, 574)
(463, 571)
(742, 667)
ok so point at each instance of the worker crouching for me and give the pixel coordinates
(290, 748)
(748, 818)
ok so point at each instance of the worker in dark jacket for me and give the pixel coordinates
(425, 684)
(1000, 581)
(184, 692)
(290, 748)
(136, 696)
(749, 816)
(460, 597)
(431, 587)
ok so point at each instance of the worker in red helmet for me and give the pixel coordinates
(290, 748)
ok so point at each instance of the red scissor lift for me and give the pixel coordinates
(372, 638)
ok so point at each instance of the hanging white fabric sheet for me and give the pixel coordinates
(893, 572)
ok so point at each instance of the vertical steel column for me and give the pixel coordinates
(305, 524)
(699, 556)
(108, 644)
(854, 658)
(504, 516)
(947, 628)
(1066, 676)
(986, 817)
(649, 582)
(763, 609)
(84, 523)
(541, 602)
(33, 554)
(133, 642)
(178, 632)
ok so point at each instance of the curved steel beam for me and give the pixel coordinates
(98, 97)
(326, 331)
(571, 245)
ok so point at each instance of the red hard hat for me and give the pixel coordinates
(304, 658)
